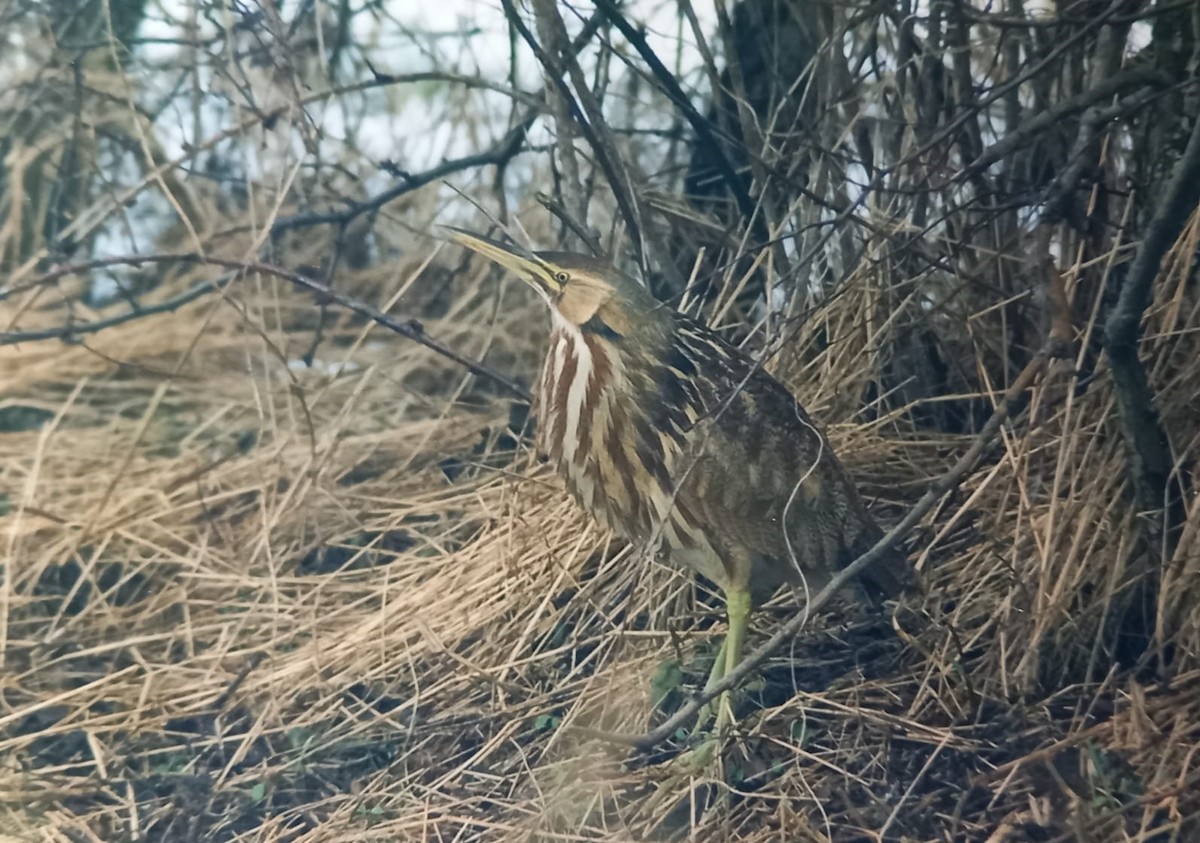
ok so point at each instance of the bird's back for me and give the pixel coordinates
(759, 479)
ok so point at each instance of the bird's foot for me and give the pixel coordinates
(695, 774)
(692, 784)
(697, 761)
(688, 778)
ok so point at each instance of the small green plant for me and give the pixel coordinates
(371, 814)
(800, 731)
(547, 722)
(1111, 779)
(172, 763)
(667, 680)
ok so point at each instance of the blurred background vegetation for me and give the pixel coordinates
(277, 562)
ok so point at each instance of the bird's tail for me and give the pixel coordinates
(887, 578)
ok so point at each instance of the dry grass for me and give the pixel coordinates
(244, 600)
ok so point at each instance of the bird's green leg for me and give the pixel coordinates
(699, 759)
(714, 676)
(737, 606)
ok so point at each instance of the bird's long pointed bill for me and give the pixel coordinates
(516, 259)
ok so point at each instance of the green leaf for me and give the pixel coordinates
(546, 722)
(799, 730)
(667, 678)
(18, 417)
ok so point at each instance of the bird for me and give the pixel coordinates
(677, 440)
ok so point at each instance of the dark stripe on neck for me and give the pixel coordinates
(596, 325)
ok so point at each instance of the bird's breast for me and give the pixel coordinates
(598, 428)
(584, 427)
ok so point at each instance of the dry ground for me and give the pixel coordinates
(250, 600)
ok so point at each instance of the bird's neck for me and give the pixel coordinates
(579, 369)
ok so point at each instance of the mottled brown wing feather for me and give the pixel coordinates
(759, 462)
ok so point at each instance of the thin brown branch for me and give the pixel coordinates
(619, 172)
(557, 65)
(671, 88)
(72, 331)
(1031, 127)
(499, 155)
(409, 328)
(86, 225)
(570, 185)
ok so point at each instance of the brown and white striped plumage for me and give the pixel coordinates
(694, 444)
(666, 433)
(662, 430)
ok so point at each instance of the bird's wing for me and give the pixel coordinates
(760, 463)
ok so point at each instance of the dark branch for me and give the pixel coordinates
(670, 87)
(72, 331)
(84, 227)
(557, 65)
(1146, 440)
(499, 155)
(1030, 128)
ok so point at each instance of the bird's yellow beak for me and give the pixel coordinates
(519, 261)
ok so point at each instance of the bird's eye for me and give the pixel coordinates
(561, 277)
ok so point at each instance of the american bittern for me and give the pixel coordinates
(663, 430)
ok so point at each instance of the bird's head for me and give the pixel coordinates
(587, 293)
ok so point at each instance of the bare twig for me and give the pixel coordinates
(1031, 127)
(71, 331)
(409, 328)
(499, 155)
(559, 64)
(84, 226)
(671, 88)
(577, 227)
(571, 183)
